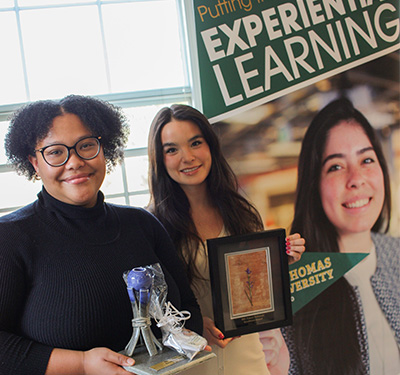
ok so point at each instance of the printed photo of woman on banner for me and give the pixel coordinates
(268, 174)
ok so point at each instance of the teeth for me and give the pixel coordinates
(357, 204)
(189, 170)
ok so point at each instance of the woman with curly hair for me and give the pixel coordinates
(64, 307)
(194, 193)
(343, 205)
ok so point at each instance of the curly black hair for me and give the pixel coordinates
(32, 122)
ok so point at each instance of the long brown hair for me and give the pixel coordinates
(169, 202)
(327, 328)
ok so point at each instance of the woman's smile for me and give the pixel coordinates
(359, 203)
(77, 181)
(187, 156)
(190, 171)
(351, 182)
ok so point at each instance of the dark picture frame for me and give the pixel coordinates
(250, 282)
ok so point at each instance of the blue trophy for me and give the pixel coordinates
(139, 284)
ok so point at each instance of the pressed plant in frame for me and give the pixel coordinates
(248, 288)
(249, 282)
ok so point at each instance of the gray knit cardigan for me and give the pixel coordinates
(386, 286)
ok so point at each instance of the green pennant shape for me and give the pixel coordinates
(315, 272)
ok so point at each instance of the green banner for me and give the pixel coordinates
(254, 51)
(315, 272)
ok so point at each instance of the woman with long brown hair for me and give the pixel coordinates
(343, 203)
(194, 193)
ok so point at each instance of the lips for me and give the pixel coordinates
(357, 204)
(77, 179)
(190, 170)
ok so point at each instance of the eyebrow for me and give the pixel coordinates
(334, 156)
(168, 144)
(55, 143)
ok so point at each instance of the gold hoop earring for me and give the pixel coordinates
(36, 177)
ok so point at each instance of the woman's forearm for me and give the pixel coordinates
(63, 361)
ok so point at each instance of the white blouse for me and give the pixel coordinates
(243, 355)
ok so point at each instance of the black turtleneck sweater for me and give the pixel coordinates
(61, 282)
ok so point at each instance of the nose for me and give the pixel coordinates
(355, 178)
(187, 155)
(74, 161)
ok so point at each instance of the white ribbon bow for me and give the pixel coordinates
(174, 318)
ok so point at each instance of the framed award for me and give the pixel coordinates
(250, 284)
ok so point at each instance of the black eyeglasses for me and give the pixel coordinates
(58, 154)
